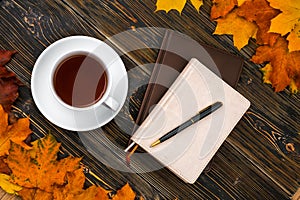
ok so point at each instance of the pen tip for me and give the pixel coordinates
(155, 143)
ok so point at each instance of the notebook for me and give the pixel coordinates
(175, 52)
(187, 153)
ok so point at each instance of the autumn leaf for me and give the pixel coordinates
(221, 8)
(240, 28)
(42, 170)
(260, 12)
(240, 2)
(284, 66)
(4, 169)
(5, 56)
(288, 19)
(9, 83)
(74, 189)
(16, 132)
(35, 194)
(125, 193)
(178, 5)
(7, 186)
(294, 39)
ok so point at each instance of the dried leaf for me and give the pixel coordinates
(241, 29)
(9, 83)
(260, 12)
(74, 189)
(284, 68)
(5, 56)
(178, 5)
(7, 186)
(125, 193)
(221, 8)
(35, 194)
(294, 39)
(288, 19)
(16, 132)
(4, 169)
(39, 167)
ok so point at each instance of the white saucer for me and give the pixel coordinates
(57, 113)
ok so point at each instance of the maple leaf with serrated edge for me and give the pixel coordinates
(284, 66)
(221, 8)
(241, 29)
(178, 5)
(74, 189)
(39, 167)
(260, 12)
(16, 132)
(287, 21)
(125, 193)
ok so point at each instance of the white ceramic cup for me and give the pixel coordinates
(103, 55)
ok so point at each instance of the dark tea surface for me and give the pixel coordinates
(80, 80)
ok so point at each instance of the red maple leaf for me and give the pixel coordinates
(9, 83)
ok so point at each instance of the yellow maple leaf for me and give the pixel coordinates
(7, 186)
(42, 171)
(241, 29)
(294, 38)
(286, 21)
(178, 5)
(16, 132)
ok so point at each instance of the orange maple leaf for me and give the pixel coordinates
(39, 167)
(284, 66)
(221, 8)
(125, 193)
(16, 132)
(74, 189)
(260, 12)
(35, 194)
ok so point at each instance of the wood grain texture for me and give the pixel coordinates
(259, 160)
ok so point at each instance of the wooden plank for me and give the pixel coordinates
(6, 196)
(251, 149)
(270, 127)
(29, 27)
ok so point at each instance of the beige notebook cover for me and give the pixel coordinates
(187, 153)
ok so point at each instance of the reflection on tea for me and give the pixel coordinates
(80, 80)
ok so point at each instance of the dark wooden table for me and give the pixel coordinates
(259, 160)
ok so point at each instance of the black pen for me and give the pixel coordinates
(200, 115)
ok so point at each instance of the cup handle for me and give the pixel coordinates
(111, 103)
